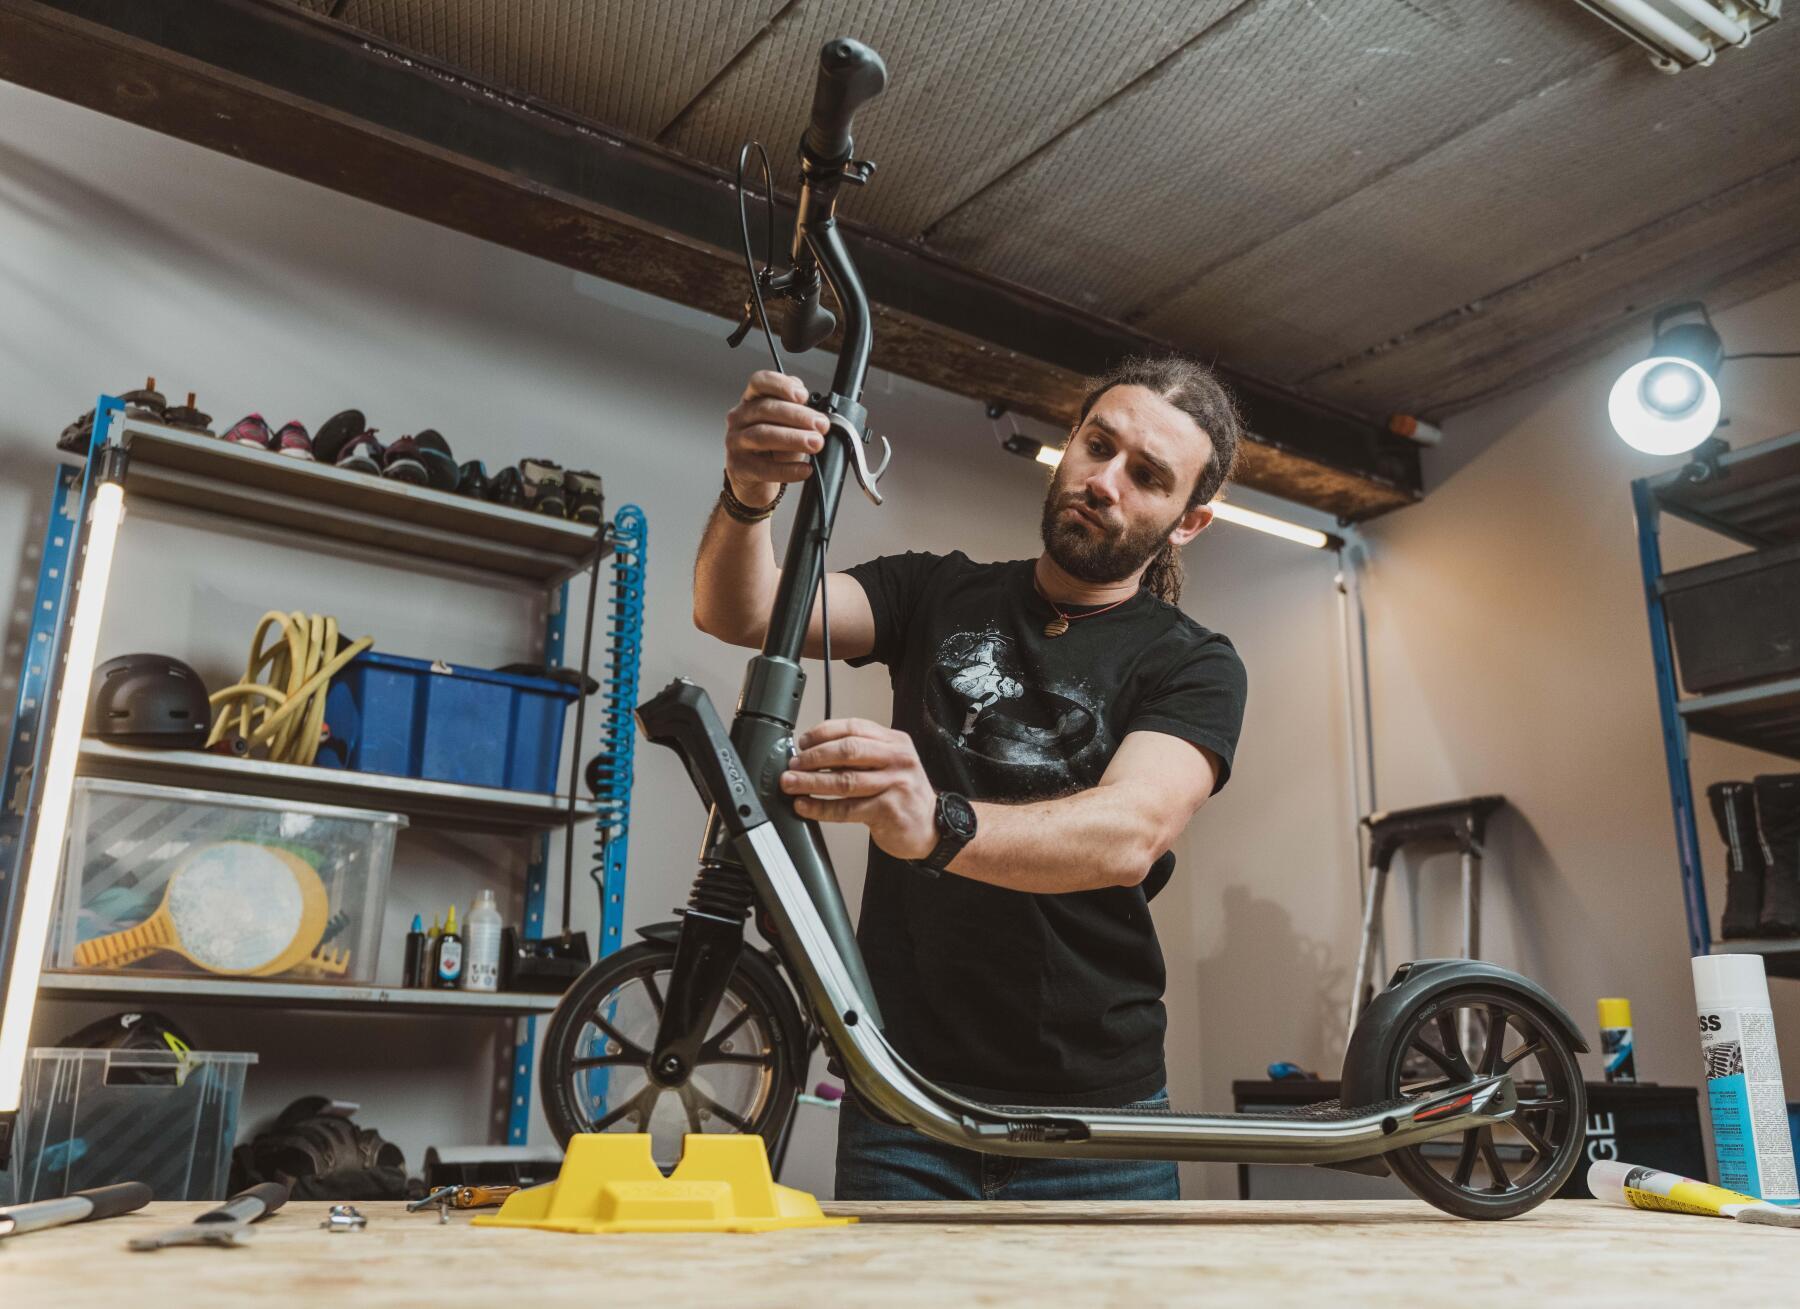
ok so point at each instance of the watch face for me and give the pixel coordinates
(959, 815)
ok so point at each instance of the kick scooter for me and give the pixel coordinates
(1460, 1077)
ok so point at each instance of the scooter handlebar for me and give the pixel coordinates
(850, 75)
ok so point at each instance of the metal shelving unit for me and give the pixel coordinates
(439, 804)
(129, 988)
(235, 481)
(1751, 496)
(242, 485)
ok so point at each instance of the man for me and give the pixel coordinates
(1057, 723)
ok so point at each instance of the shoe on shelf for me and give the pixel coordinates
(507, 488)
(336, 432)
(1734, 810)
(1778, 823)
(402, 463)
(250, 430)
(293, 441)
(362, 453)
(145, 405)
(440, 465)
(544, 491)
(473, 481)
(587, 501)
(188, 418)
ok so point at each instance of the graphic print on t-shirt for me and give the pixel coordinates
(1010, 736)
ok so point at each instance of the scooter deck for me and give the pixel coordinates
(1323, 1111)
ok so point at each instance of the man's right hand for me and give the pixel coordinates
(768, 436)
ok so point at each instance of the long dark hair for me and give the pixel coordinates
(1196, 390)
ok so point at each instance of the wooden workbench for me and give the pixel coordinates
(1390, 1253)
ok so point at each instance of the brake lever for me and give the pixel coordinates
(742, 330)
(859, 463)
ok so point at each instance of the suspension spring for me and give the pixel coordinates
(722, 890)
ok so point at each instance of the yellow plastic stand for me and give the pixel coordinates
(610, 1183)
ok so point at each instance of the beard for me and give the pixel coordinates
(1097, 554)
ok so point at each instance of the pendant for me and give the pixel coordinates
(1056, 626)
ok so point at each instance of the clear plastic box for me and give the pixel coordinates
(94, 1117)
(162, 879)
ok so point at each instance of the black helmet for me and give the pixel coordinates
(145, 1030)
(149, 699)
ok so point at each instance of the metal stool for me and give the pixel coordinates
(1462, 823)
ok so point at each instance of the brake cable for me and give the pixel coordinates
(757, 281)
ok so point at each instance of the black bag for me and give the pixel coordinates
(319, 1154)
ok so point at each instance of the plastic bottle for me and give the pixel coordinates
(1617, 1052)
(481, 964)
(447, 961)
(1751, 1144)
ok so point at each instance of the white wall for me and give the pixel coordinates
(1511, 653)
(126, 254)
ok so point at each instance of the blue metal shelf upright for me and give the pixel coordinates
(1750, 496)
(230, 481)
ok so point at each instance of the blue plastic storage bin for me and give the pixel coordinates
(446, 723)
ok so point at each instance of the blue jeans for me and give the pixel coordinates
(878, 1161)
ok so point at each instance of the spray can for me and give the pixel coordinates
(481, 963)
(1616, 1050)
(1744, 1094)
(447, 960)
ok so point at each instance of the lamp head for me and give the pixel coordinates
(1669, 402)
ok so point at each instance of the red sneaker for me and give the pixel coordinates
(250, 430)
(293, 441)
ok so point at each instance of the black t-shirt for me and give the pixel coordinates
(1003, 995)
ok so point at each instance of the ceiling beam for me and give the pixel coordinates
(316, 100)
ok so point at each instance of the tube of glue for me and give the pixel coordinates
(1648, 1188)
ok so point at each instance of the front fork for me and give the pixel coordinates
(733, 773)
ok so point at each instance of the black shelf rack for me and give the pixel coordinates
(1750, 496)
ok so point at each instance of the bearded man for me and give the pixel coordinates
(1057, 723)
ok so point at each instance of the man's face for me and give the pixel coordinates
(1123, 484)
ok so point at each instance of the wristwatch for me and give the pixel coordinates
(955, 818)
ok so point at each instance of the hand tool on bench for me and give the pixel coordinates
(77, 1207)
(229, 1224)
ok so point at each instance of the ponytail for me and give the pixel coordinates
(1163, 574)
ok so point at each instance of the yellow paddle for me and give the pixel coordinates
(233, 907)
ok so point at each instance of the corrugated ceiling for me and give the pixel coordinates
(1386, 204)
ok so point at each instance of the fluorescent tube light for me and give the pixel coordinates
(1227, 512)
(1683, 34)
(56, 791)
(1231, 513)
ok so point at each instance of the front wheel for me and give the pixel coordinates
(597, 1050)
(1503, 1170)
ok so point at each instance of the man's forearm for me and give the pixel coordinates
(1078, 842)
(734, 578)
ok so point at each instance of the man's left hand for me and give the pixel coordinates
(850, 770)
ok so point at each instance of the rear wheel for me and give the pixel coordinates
(595, 1072)
(1508, 1168)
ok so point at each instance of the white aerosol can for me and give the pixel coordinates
(1751, 1144)
(481, 971)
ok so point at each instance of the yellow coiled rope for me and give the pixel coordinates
(280, 703)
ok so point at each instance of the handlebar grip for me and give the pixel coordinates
(119, 1198)
(850, 75)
